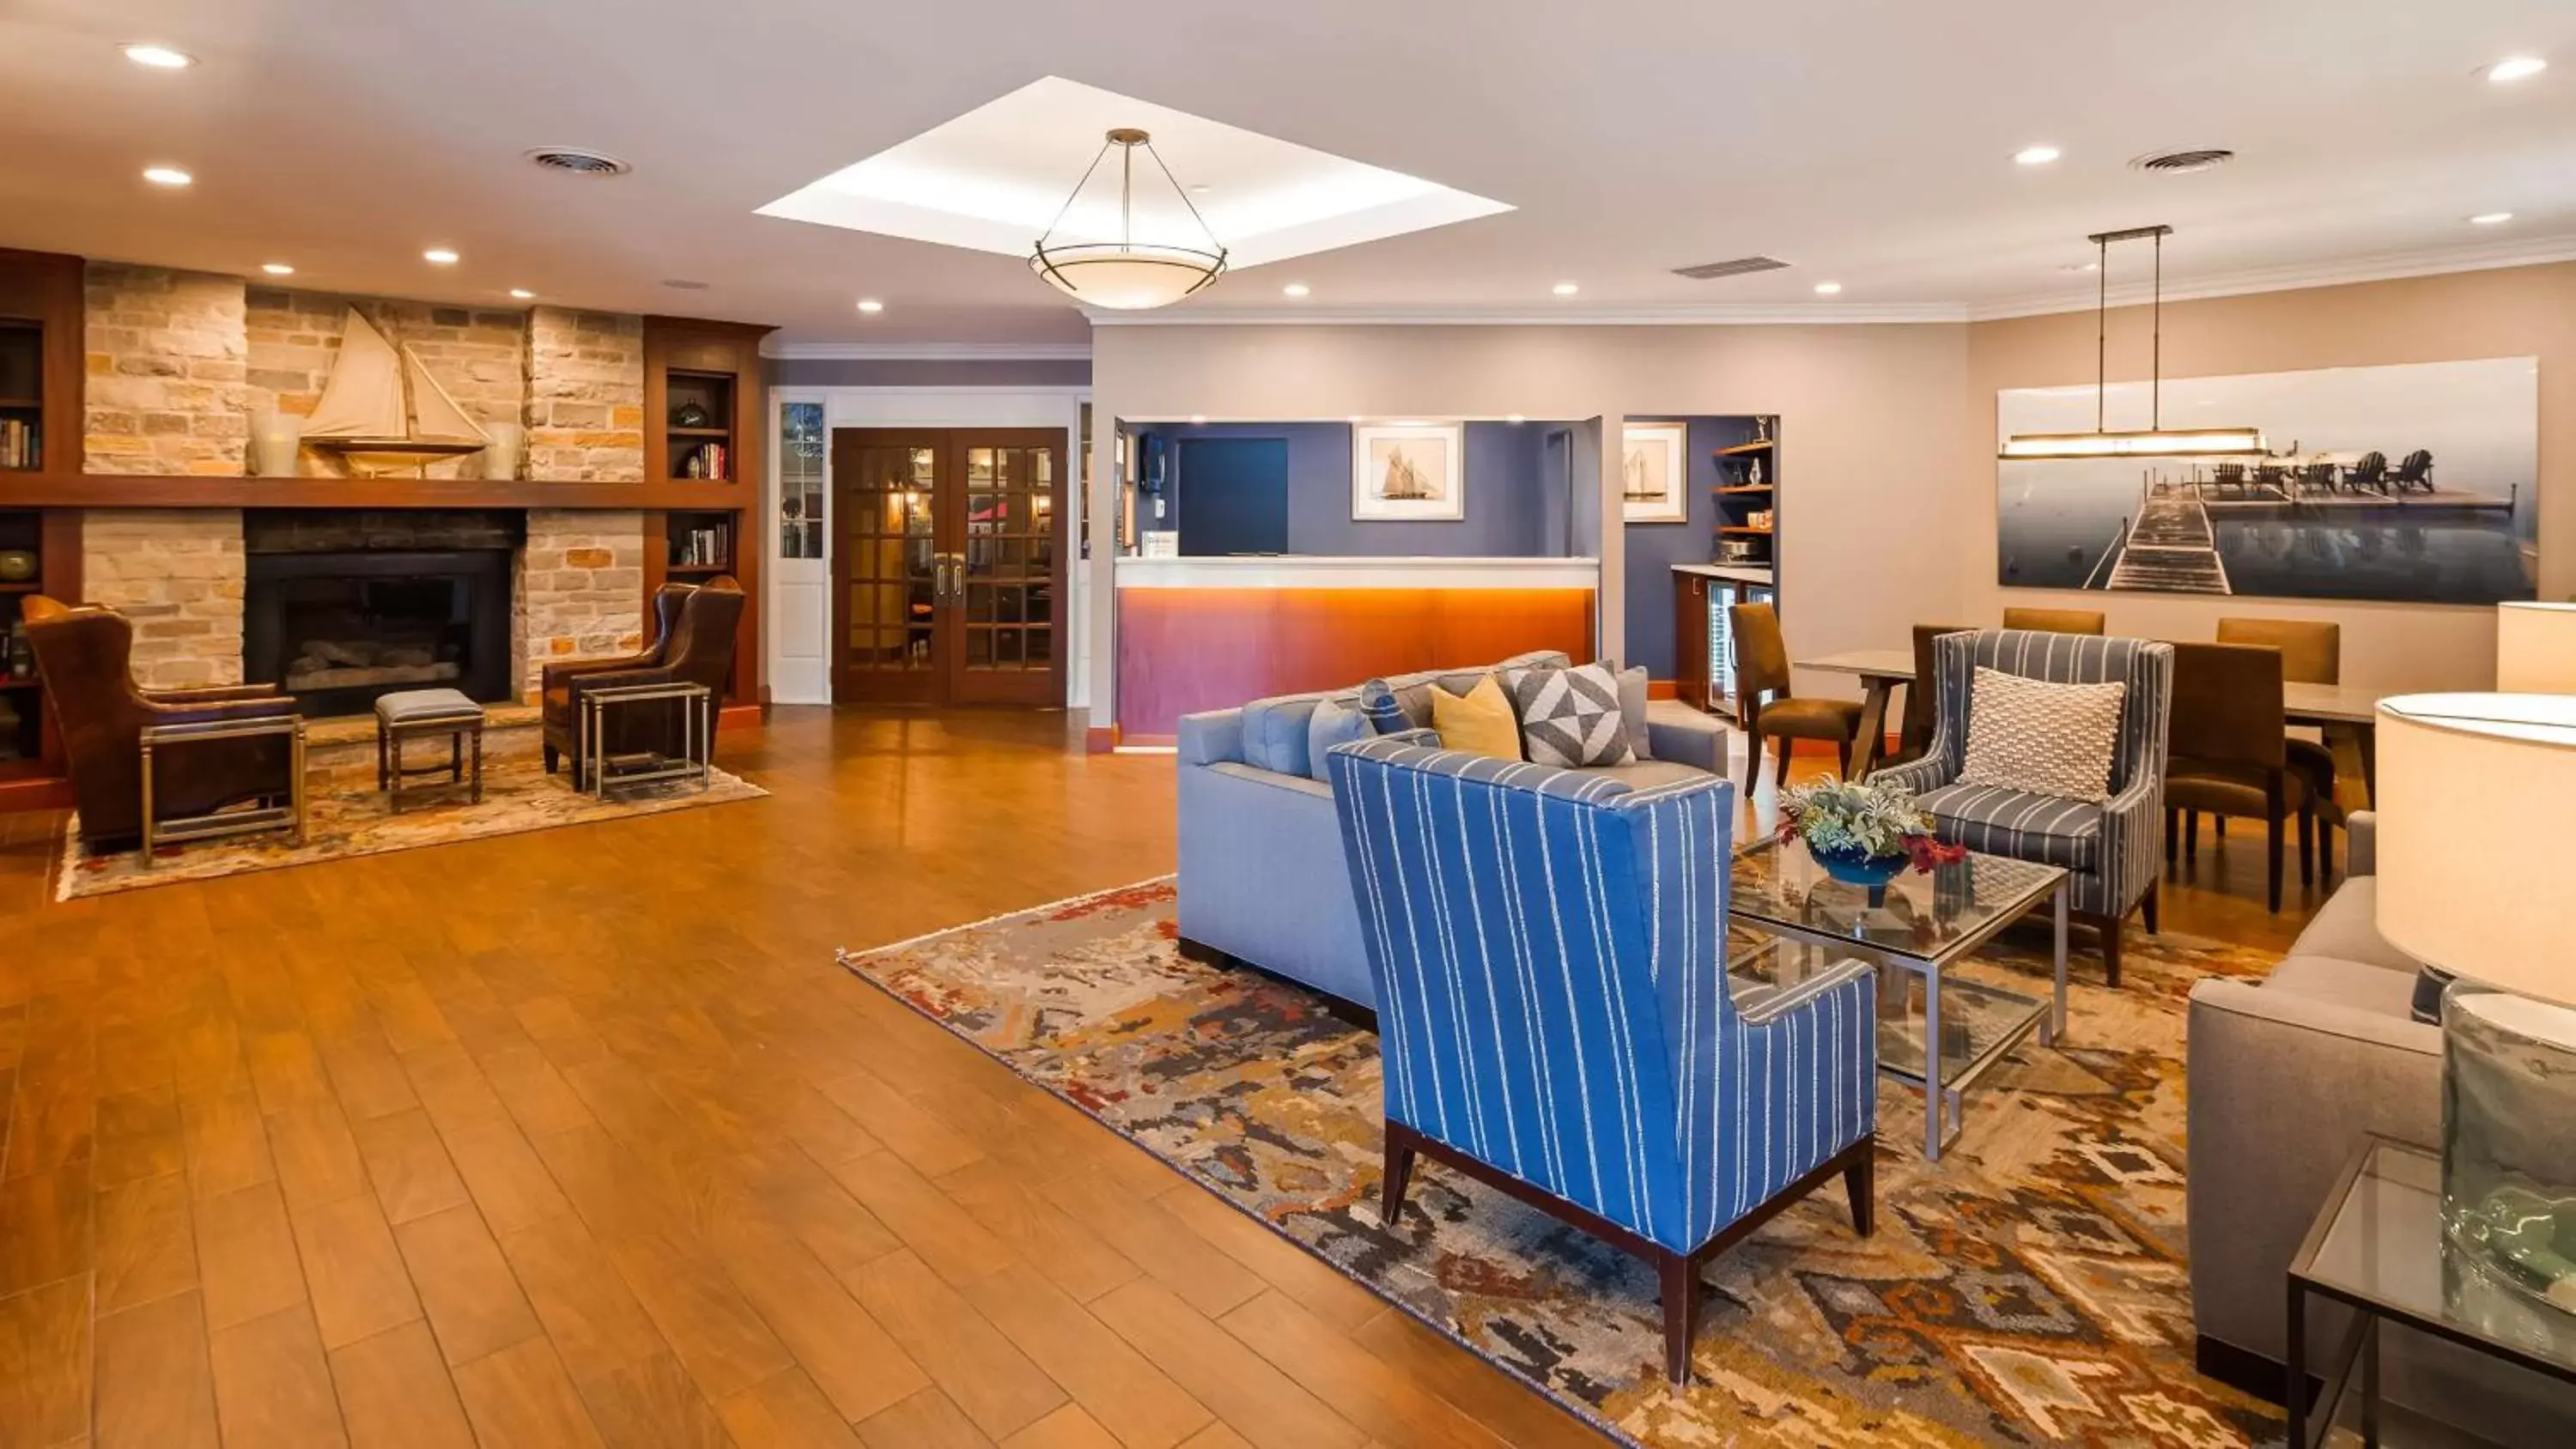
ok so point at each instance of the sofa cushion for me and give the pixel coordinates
(1480, 722)
(1570, 717)
(2347, 927)
(2356, 984)
(1385, 715)
(2041, 737)
(2021, 824)
(1334, 722)
(1274, 734)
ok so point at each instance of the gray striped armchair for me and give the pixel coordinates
(2110, 849)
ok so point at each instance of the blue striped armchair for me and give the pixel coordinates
(2110, 849)
(1549, 951)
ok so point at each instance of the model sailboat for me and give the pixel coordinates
(382, 410)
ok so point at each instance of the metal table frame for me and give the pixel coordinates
(1946, 1099)
(696, 760)
(224, 822)
(2359, 1348)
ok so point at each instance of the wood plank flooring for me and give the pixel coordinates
(581, 1138)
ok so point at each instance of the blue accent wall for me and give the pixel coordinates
(1653, 548)
(1516, 501)
(1238, 495)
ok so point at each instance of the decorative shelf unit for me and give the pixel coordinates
(1748, 493)
(40, 452)
(706, 417)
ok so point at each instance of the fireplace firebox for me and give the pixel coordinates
(337, 626)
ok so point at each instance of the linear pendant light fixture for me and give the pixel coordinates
(1128, 275)
(2157, 440)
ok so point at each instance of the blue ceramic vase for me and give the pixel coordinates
(1853, 868)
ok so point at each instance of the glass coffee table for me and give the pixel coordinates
(1937, 1031)
(2377, 1248)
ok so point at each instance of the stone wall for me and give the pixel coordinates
(479, 355)
(585, 396)
(580, 590)
(177, 573)
(166, 358)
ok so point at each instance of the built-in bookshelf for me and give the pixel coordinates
(22, 395)
(698, 545)
(22, 693)
(1747, 493)
(698, 425)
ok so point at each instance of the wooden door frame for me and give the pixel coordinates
(1050, 692)
(843, 485)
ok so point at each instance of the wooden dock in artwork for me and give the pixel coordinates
(2265, 501)
(2171, 549)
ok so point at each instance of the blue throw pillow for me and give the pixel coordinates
(1333, 723)
(1385, 714)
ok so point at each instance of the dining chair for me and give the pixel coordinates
(2311, 653)
(2055, 621)
(2228, 751)
(1922, 698)
(1762, 669)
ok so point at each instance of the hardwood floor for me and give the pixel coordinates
(581, 1137)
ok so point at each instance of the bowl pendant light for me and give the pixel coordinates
(1127, 275)
(2156, 440)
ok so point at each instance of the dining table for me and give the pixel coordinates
(2327, 706)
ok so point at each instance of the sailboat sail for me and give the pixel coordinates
(1637, 490)
(382, 409)
(1404, 481)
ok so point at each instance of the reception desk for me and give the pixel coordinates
(1207, 633)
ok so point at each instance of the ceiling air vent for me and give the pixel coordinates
(1741, 266)
(578, 161)
(2188, 159)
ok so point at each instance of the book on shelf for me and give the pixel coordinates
(706, 460)
(22, 444)
(702, 548)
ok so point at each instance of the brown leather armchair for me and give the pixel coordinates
(1764, 707)
(85, 657)
(693, 644)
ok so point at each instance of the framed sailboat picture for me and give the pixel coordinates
(1407, 471)
(1653, 473)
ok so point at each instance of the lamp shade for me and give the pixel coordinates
(2536, 648)
(2476, 795)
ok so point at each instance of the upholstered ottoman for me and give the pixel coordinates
(411, 713)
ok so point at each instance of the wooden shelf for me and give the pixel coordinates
(106, 490)
(713, 568)
(21, 402)
(28, 683)
(1743, 528)
(31, 586)
(1740, 449)
(1738, 488)
(719, 434)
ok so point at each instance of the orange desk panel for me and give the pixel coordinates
(1185, 650)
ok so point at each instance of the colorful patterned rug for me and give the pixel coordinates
(353, 819)
(2028, 1288)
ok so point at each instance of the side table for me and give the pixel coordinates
(289, 816)
(2377, 1248)
(604, 772)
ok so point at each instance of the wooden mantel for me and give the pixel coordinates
(102, 490)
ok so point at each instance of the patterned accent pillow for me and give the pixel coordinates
(2043, 738)
(1385, 714)
(1570, 718)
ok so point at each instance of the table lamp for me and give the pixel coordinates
(2477, 868)
(2536, 648)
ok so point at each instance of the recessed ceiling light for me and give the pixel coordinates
(167, 176)
(439, 257)
(1196, 418)
(523, 294)
(871, 305)
(2514, 68)
(277, 269)
(1827, 289)
(683, 284)
(2036, 155)
(2491, 218)
(1516, 418)
(1566, 289)
(158, 57)
(1296, 289)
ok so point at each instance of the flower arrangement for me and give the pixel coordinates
(1842, 820)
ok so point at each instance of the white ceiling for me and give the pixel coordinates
(1868, 142)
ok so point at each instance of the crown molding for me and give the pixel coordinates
(926, 351)
(2384, 267)
(1744, 314)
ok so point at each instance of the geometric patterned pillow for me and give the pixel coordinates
(1570, 717)
(2043, 738)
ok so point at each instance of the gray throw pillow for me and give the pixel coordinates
(1274, 735)
(1632, 709)
(1335, 722)
(1570, 718)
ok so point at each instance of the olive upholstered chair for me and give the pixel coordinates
(1763, 705)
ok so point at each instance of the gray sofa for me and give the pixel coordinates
(2286, 1078)
(1261, 873)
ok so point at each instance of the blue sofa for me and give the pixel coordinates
(1261, 874)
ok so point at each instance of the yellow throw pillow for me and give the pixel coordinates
(1479, 723)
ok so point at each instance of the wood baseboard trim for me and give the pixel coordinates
(1099, 739)
(740, 716)
(34, 794)
(1663, 689)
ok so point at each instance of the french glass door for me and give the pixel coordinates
(949, 567)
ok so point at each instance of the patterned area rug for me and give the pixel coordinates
(2029, 1288)
(343, 821)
